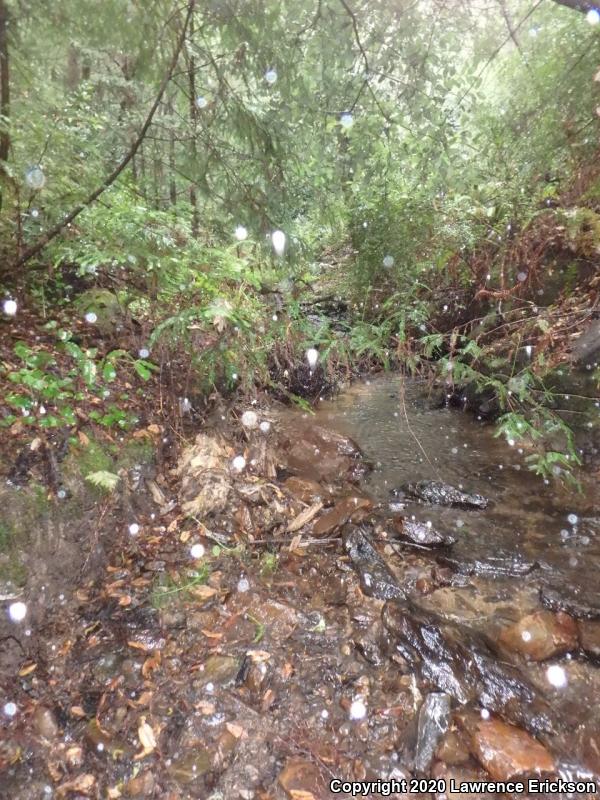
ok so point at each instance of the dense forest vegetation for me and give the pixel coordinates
(189, 173)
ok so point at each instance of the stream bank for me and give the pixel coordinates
(261, 627)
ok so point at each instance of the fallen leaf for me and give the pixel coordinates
(27, 669)
(77, 711)
(212, 634)
(235, 730)
(125, 600)
(202, 592)
(147, 739)
(82, 783)
(151, 663)
(83, 438)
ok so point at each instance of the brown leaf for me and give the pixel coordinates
(212, 634)
(83, 438)
(151, 663)
(27, 669)
(202, 592)
(235, 730)
(125, 600)
(147, 739)
(82, 783)
(77, 711)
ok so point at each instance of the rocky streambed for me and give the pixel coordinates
(290, 606)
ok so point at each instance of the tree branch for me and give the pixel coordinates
(108, 181)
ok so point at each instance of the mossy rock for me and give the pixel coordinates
(109, 312)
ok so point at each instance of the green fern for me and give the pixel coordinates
(103, 479)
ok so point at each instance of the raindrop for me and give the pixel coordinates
(201, 102)
(521, 276)
(485, 714)
(243, 585)
(197, 550)
(556, 676)
(91, 317)
(134, 529)
(572, 519)
(271, 76)
(35, 213)
(238, 463)
(249, 419)
(61, 494)
(358, 710)
(10, 709)
(593, 16)
(144, 352)
(278, 241)
(388, 262)
(240, 233)
(17, 611)
(184, 405)
(312, 356)
(9, 307)
(324, 714)
(526, 636)
(528, 350)
(533, 32)
(265, 426)
(35, 178)
(346, 120)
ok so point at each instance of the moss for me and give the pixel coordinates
(24, 511)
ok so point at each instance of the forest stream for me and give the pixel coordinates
(377, 637)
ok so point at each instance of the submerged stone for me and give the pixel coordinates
(506, 752)
(434, 719)
(540, 635)
(465, 664)
(347, 508)
(376, 579)
(422, 534)
(443, 494)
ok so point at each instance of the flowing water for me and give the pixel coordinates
(532, 535)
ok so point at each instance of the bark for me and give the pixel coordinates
(4, 84)
(193, 124)
(110, 179)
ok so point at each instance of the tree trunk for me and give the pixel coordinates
(578, 5)
(193, 125)
(4, 85)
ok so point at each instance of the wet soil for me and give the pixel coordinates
(292, 626)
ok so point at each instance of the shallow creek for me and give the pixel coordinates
(531, 536)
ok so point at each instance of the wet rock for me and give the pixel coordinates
(302, 779)
(349, 508)
(589, 638)
(506, 752)
(305, 490)
(575, 594)
(376, 579)
(319, 454)
(421, 533)
(464, 664)
(140, 786)
(458, 777)
(220, 670)
(434, 719)
(103, 741)
(44, 723)
(469, 558)
(205, 477)
(442, 494)
(188, 768)
(453, 749)
(540, 635)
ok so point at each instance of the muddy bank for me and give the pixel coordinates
(270, 617)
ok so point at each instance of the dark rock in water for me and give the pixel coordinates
(434, 720)
(469, 559)
(376, 579)
(572, 595)
(466, 665)
(589, 639)
(422, 534)
(442, 494)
